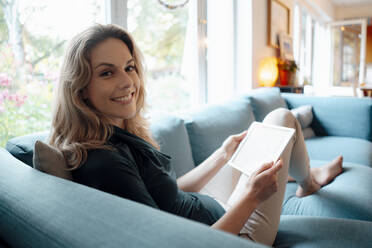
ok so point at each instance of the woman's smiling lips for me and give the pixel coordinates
(124, 99)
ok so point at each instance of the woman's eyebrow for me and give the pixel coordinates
(105, 64)
(111, 65)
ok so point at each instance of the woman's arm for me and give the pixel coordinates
(197, 178)
(194, 180)
(261, 185)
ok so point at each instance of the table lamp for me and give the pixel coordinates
(268, 72)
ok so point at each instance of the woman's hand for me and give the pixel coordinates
(264, 182)
(230, 145)
(260, 186)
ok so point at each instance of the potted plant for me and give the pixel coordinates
(287, 71)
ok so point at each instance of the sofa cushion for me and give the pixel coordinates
(22, 147)
(304, 115)
(353, 149)
(314, 232)
(49, 160)
(171, 135)
(265, 100)
(308, 133)
(348, 196)
(211, 125)
(337, 116)
(39, 210)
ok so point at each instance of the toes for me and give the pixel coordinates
(340, 158)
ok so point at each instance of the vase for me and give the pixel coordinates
(287, 77)
(284, 77)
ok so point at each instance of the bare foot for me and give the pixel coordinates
(320, 176)
(325, 174)
(311, 188)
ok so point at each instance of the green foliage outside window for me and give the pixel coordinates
(29, 68)
(30, 62)
(161, 34)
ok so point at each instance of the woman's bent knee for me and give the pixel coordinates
(281, 117)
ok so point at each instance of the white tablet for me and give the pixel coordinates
(263, 143)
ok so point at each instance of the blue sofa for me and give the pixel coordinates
(40, 210)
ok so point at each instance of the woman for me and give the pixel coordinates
(99, 126)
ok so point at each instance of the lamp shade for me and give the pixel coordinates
(268, 72)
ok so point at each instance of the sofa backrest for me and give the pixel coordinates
(337, 116)
(169, 132)
(210, 126)
(265, 100)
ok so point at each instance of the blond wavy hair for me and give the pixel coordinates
(76, 125)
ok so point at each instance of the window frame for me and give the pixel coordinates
(306, 63)
(117, 13)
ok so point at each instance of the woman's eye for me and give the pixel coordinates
(130, 68)
(106, 74)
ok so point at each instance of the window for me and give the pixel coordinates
(311, 47)
(296, 32)
(184, 69)
(321, 57)
(167, 39)
(306, 38)
(190, 52)
(33, 38)
(350, 39)
(221, 55)
(347, 55)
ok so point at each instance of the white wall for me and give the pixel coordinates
(353, 12)
(322, 9)
(260, 47)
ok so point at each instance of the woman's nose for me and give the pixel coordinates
(124, 80)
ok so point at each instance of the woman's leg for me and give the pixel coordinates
(263, 224)
(227, 185)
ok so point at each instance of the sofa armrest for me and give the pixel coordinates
(313, 231)
(22, 147)
(337, 116)
(39, 210)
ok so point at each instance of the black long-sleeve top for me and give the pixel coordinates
(137, 171)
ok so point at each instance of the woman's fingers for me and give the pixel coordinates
(242, 135)
(239, 137)
(278, 165)
(271, 168)
(264, 167)
(264, 182)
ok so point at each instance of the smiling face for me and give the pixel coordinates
(114, 87)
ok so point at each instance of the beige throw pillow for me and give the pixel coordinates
(304, 115)
(50, 160)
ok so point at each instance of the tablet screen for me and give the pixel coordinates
(263, 143)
